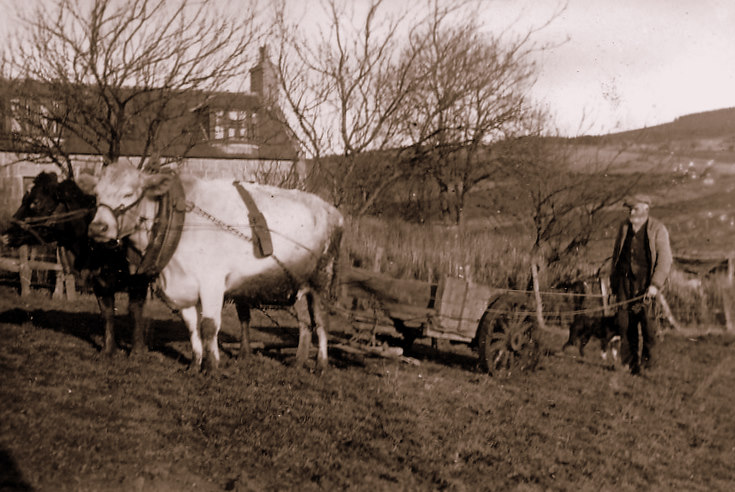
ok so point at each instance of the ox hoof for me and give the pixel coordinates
(194, 367)
(299, 363)
(210, 367)
(321, 366)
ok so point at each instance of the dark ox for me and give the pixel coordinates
(218, 254)
(60, 212)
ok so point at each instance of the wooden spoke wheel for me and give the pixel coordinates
(507, 341)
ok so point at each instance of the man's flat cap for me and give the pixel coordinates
(636, 199)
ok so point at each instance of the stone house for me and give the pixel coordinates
(234, 136)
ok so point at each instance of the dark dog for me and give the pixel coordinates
(604, 328)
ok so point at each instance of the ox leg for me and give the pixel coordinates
(243, 314)
(136, 300)
(107, 308)
(321, 323)
(190, 316)
(211, 320)
(304, 318)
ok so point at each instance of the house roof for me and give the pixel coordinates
(189, 132)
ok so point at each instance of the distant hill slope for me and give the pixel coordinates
(718, 124)
(709, 135)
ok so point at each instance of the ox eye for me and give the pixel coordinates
(128, 195)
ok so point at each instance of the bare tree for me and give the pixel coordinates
(564, 195)
(105, 73)
(471, 92)
(343, 84)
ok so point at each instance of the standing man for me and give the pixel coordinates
(641, 263)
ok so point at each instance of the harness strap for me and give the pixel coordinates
(167, 229)
(258, 224)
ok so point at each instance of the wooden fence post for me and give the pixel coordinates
(605, 294)
(70, 286)
(537, 294)
(24, 270)
(59, 286)
(378, 257)
(667, 311)
(727, 299)
(66, 269)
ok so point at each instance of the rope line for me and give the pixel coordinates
(513, 313)
(44, 220)
(550, 293)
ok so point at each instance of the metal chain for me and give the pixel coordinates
(233, 230)
(195, 208)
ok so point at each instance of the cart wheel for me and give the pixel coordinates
(507, 338)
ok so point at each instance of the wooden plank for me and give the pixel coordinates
(408, 312)
(461, 307)
(446, 335)
(24, 270)
(386, 289)
(14, 265)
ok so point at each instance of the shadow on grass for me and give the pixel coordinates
(457, 355)
(88, 327)
(11, 477)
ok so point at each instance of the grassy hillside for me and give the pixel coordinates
(706, 135)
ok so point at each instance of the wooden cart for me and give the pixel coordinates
(499, 324)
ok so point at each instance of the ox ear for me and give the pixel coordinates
(156, 185)
(86, 183)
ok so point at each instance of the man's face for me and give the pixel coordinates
(638, 215)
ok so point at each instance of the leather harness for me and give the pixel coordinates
(169, 224)
(258, 224)
(167, 228)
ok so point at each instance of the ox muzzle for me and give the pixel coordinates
(104, 225)
(107, 222)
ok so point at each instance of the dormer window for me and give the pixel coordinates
(234, 125)
(30, 117)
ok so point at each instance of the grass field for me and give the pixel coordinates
(73, 420)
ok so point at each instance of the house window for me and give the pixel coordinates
(33, 118)
(234, 125)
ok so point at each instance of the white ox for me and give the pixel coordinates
(216, 255)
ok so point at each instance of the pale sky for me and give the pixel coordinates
(632, 63)
(617, 65)
(627, 63)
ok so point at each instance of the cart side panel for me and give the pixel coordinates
(388, 290)
(461, 306)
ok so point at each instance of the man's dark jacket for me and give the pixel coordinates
(658, 246)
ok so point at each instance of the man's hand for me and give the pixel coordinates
(651, 292)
